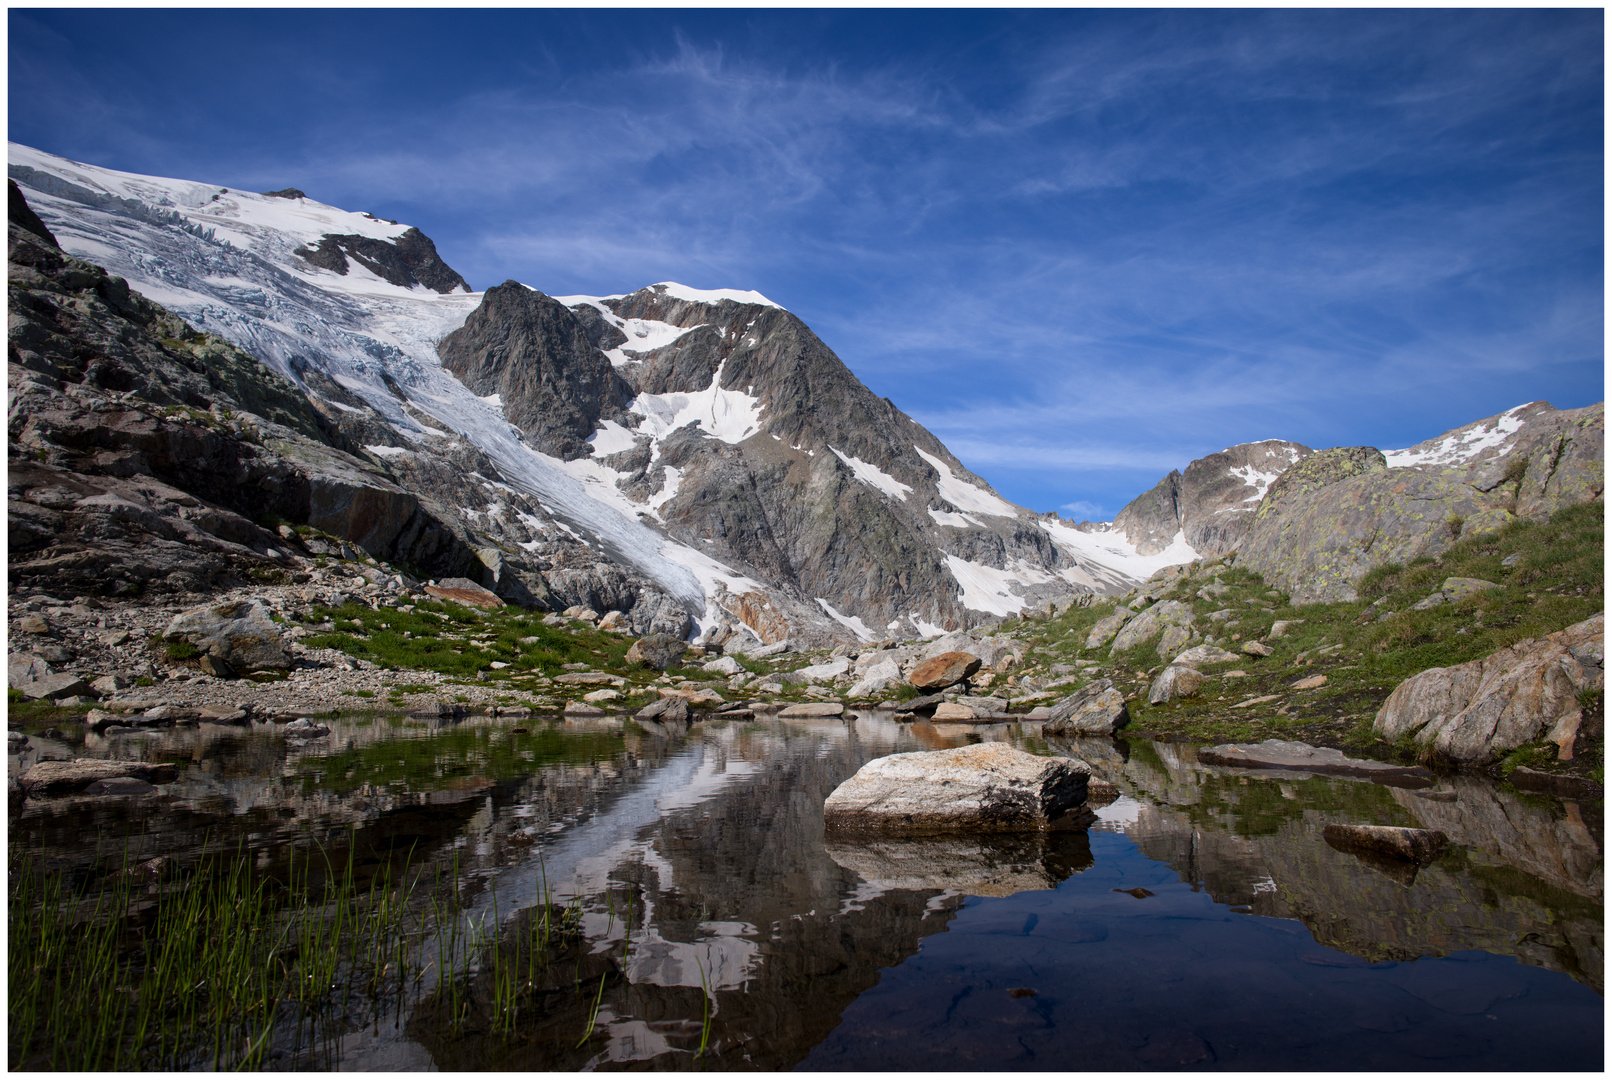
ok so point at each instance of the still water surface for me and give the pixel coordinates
(1202, 923)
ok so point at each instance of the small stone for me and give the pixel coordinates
(599, 696)
(1312, 683)
(1280, 626)
(32, 624)
(113, 638)
(725, 665)
(613, 620)
(579, 708)
(1257, 648)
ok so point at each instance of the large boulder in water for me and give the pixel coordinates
(242, 635)
(986, 787)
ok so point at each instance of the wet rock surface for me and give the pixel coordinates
(1301, 757)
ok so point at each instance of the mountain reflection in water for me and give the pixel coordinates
(1203, 922)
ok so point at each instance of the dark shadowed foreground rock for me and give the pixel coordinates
(1302, 757)
(944, 670)
(659, 651)
(1413, 845)
(987, 787)
(1477, 711)
(241, 635)
(67, 777)
(1097, 709)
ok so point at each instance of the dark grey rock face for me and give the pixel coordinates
(409, 260)
(534, 353)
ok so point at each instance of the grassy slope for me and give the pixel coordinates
(1365, 648)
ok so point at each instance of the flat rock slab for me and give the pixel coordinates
(1302, 757)
(986, 787)
(1412, 845)
(464, 592)
(589, 678)
(814, 709)
(67, 777)
(920, 704)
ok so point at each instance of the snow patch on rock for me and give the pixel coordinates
(965, 496)
(875, 477)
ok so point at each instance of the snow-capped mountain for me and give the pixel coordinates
(703, 443)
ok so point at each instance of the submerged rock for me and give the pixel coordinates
(67, 777)
(986, 787)
(1302, 757)
(1412, 845)
(992, 865)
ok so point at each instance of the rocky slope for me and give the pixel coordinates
(1314, 522)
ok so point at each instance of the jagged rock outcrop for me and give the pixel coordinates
(1340, 512)
(532, 352)
(1478, 711)
(407, 260)
(1210, 504)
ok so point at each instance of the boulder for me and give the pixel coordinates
(920, 704)
(1476, 712)
(876, 679)
(833, 669)
(108, 685)
(1097, 709)
(1199, 655)
(813, 709)
(464, 592)
(658, 651)
(1107, 627)
(1302, 757)
(952, 710)
(725, 665)
(777, 648)
(1257, 648)
(944, 670)
(242, 635)
(668, 710)
(986, 787)
(304, 728)
(598, 697)
(67, 777)
(1152, 621)
(1453, 589)
(578, 708)
(63, 685)
(1175, 681)
(1310, 682)
(1172, 639)
(1280, 627)
(24, 668)
(1412, 845)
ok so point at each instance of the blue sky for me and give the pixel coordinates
(1082, 247)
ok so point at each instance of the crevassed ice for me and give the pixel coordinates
(875, 477)
(965, 496)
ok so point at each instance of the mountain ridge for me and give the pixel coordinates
(699, 457)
